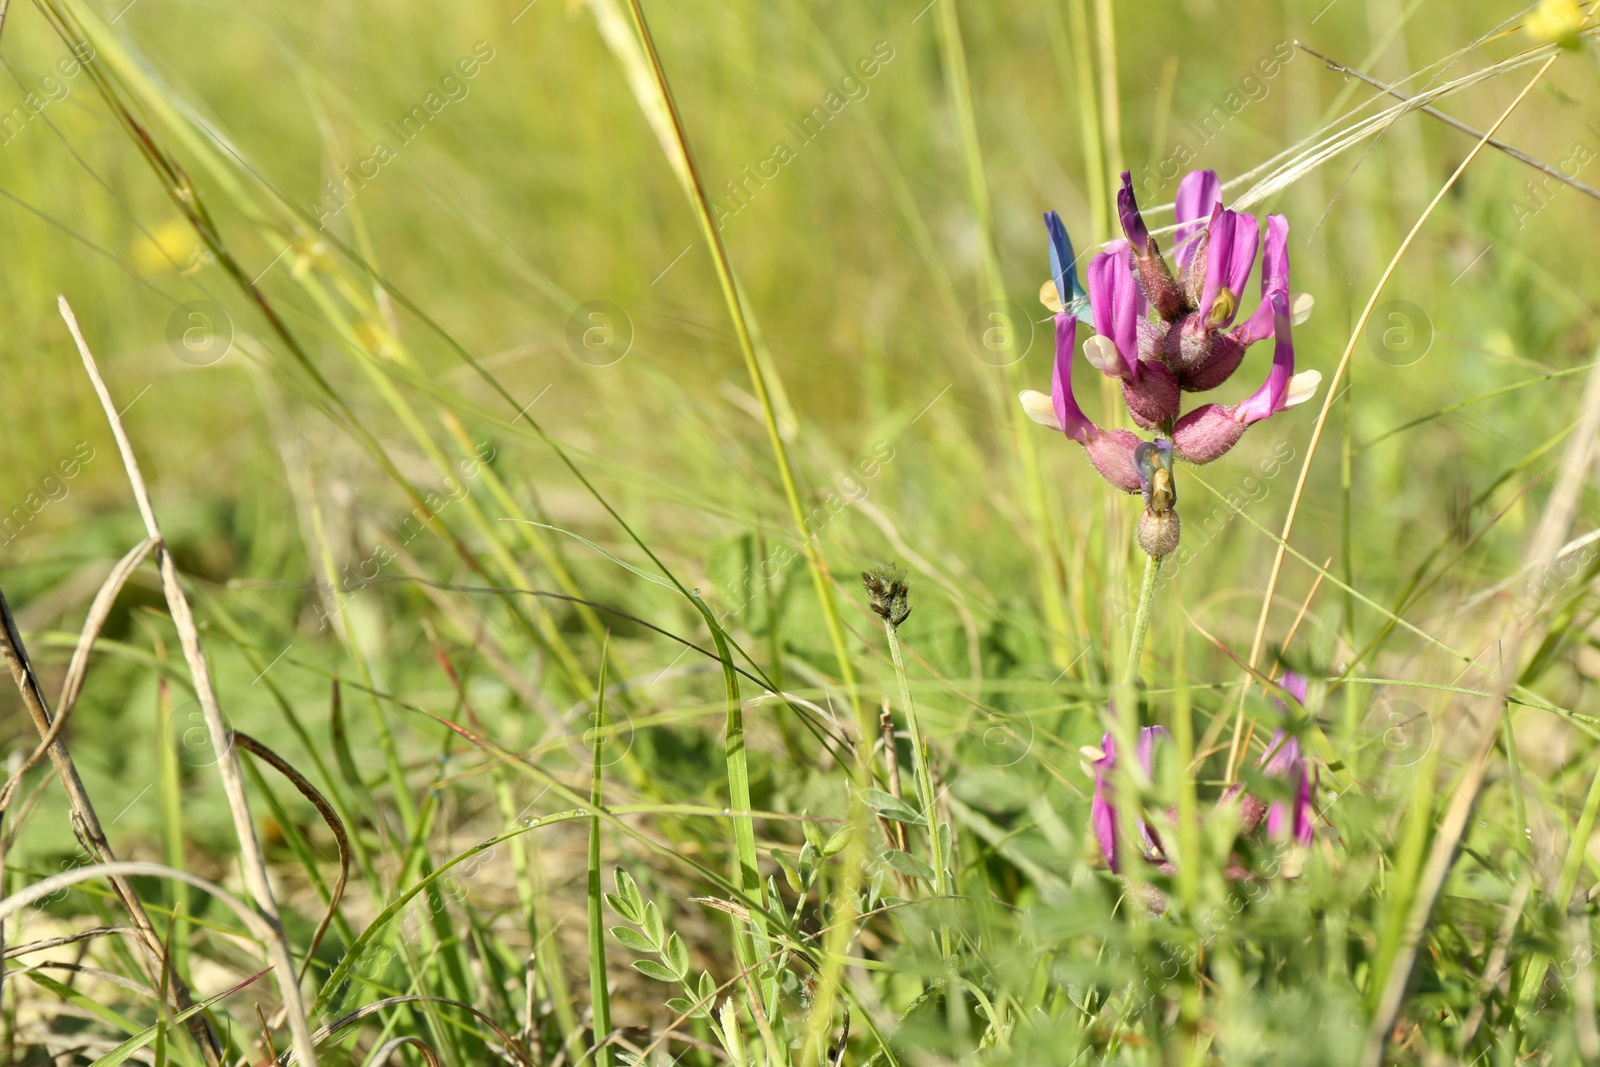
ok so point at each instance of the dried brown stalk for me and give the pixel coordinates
(253, 862)
(87, 824)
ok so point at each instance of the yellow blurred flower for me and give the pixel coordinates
(1556, 21)
(170, 246)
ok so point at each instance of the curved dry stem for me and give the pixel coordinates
(268, 935)
(87, 824)
(68, 939)
(340, 836)
(78, 669)
(252, 860)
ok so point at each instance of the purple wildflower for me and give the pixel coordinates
(1111, 451)
(1283, 759)
(1162, 332)
(1103, 813)
(1285, 818)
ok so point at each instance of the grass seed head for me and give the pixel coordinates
(887, 593)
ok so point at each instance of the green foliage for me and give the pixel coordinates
(462, 556)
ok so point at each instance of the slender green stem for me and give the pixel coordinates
(810, 548)
(937, 833)
(1141, 621)
(599, 991)
(747, 875)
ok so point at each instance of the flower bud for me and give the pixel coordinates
(1158, 532)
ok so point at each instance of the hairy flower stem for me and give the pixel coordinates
(1123, 726)
(919, 760)
(1141, 622)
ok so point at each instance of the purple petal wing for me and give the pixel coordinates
(1147, 744)
(1073, 421)
(1274, 279)
(1219, 255)
(1268, 400)
(1114, 302)
(1102, 814)
(1198, 193)
(1241, 258)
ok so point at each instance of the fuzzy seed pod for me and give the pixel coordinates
(1158, 532)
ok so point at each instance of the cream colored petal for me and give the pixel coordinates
(1302, 387)
(1040, 408)
(1050, 298)
(1102, 355)
(1300, 306)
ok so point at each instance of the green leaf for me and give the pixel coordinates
(891, 807)
(942, 837)
(707, 989)
(812, 831)
(628, 937)
(88, 1004)
(622, 907)
(684, 1006)
(650, 922)
(908, 865)
(837, 843)
(677, 957)
(652, 969)
(810, 856)
(628, 890)
(791, 873)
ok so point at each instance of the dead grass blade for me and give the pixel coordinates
(252, 859)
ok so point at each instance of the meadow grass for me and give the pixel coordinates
(440, 634)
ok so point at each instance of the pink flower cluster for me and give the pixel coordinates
(1286, 820)
(1163, 330)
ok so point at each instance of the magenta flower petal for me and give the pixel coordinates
(1271, 397)
(1295, 685)
(1073, 421)
(1116, 303)
(1241, 258)
(1111, 451)
(1274, 279)
(1148, 737)
(1198, 193)
(1102, 813)
(1295, 818)
(1230, 254)
(1285, 754)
